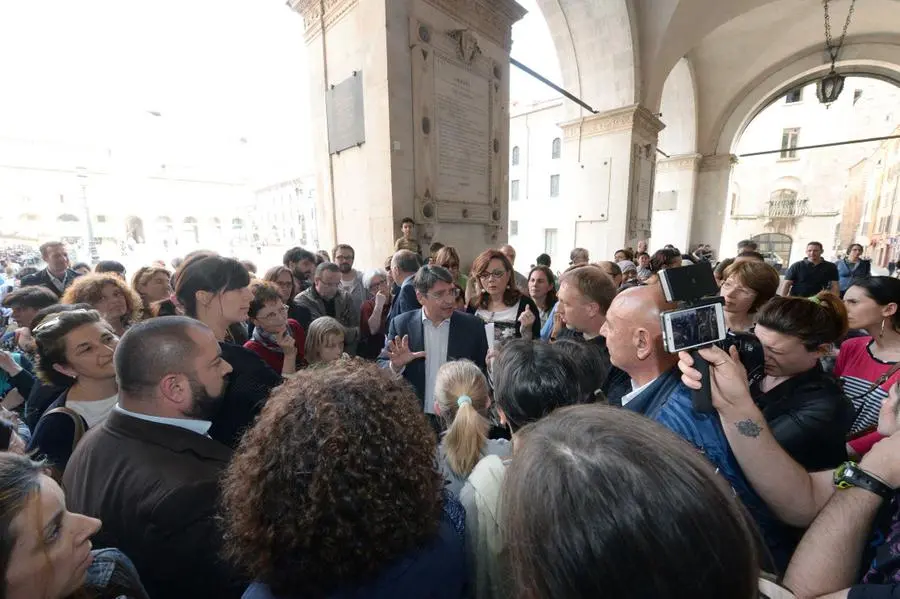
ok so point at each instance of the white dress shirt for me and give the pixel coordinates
(201, 427)
(635, 391)
(437, 338)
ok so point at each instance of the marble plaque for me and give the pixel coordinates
(344, 110)
(462, 101)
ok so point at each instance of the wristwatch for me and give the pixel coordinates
(849, 475)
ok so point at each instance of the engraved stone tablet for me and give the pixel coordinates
(462, 106)
(346, 118)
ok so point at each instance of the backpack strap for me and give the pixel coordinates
(80, 428)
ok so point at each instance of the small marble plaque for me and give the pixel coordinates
(345, 113)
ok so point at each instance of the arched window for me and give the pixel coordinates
(557, 148)
(774, 243)
(515, 155)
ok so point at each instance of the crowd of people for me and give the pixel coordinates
(428, 429)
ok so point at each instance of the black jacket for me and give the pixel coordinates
(156, 489)
(467, 340)
(247, 390)
(404, 301)
(810, 417)
(42, 277)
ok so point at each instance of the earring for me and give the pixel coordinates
(882, 328)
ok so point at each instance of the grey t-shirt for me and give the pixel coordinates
(454, 482)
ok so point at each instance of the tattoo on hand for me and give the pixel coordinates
(748, 428)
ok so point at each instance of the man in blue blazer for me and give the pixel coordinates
(57, 276)
(421, 341)
(404, 266)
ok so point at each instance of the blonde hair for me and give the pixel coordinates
(467, 424)
(320, 331)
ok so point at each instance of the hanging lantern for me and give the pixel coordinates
(828, 88)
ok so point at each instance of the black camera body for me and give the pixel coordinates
(750, 351)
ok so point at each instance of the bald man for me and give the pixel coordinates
(634, 340)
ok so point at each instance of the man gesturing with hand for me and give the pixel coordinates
(421, 341)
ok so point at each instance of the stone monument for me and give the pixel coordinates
(409, 118)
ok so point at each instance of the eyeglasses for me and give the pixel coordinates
(494, 274)
(279, 312)
(450, 294)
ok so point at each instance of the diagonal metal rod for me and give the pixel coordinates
(549, 83)
(828, 145)
(565, 93)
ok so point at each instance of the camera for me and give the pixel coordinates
(700, 322)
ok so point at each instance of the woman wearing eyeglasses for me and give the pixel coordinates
(215, 291)
(75, 353)
(276, 338)
(374, 313)
(497, 299)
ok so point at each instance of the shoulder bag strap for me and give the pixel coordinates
(79, 423)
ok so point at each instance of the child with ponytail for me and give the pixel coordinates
(462, 400)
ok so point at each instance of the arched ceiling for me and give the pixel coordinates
(619, 52)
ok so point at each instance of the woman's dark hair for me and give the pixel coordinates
(40, 315)
(7, 429)
(110, 266)
(551, 278)
(590, 365)
(543, 260)
(883, 291)
(50, 338)
(721, 267)
(335, 481)
(663, 258)
(164, 307)
(511, 294)
(816, 321)
(35, 297)
(856, 245)
(585, 511)
(533, 379)
(20, 482)
(75, 267)
(627, 252)
(211, 273)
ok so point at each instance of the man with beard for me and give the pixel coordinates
(351, 280)
(326, 298)
(150, 472)
(302, 263)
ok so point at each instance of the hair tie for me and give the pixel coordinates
(816, 300)
(463, 399)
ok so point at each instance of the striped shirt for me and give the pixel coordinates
(858, 369)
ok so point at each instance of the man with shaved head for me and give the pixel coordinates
(634, 339)
(151, 472)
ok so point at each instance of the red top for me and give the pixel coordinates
(276, 359)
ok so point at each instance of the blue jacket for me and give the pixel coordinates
(668, 401)
(437, 571)
(846, 274)
(405, 299)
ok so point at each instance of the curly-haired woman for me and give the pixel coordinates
(110, 296)
(334, 493)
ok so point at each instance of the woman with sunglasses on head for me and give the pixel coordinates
(215, 291)
(497, 299)
(374, 313)
(75, 354)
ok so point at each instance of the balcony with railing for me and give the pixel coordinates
(787, 207)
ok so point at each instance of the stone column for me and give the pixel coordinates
(409, 119)
(673, 205)
(609, 173)
(711, 197)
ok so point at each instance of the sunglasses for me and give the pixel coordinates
(53, 321)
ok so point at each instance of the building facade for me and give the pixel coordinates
(876, 196)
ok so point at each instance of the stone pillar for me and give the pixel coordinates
(409, 118)
(711, 197)
(609, 173)
(673, 205)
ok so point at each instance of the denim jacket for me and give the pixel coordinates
(668, 401)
